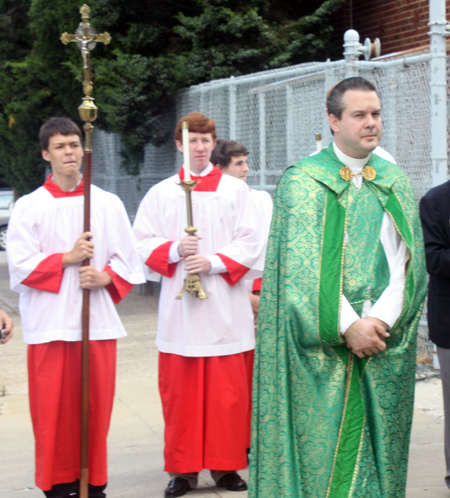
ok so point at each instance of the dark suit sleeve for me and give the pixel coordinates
(435, 224)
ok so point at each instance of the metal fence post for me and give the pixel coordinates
(289, 125)
(232, 105)
(262, 137)
(438, 91)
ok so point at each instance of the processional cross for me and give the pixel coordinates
(86, 39)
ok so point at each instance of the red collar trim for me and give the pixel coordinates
(208, 183)
(56, 192)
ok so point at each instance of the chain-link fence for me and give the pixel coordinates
(276, 114)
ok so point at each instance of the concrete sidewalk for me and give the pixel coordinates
(136, 435)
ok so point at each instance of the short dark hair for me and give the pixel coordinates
(225, 150)
(57, 126)
(198, 123)
(335, 98)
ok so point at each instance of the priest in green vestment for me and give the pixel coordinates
(343, 291)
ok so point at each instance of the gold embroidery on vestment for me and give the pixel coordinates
(358, 459)
(344, 412)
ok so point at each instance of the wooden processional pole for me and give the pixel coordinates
(86, 39)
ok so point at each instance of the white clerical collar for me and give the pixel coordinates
(74, 188)
(356, 165)
(205, 172)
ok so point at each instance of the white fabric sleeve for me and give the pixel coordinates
(217, 265)
(124, 258)
(23, 252)
(174, 256)
(389, 305)
(247, 247)
(147, 230)
(348, 315)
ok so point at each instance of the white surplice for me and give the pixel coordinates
(227, 221)
(42, 225)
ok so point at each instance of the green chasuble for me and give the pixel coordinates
(327, 424)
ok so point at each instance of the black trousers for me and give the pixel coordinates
(444, 362)
(72, 489)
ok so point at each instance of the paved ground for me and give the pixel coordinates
(136, 436)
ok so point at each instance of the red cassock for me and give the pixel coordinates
(206, 346)
(207, 410)
(44, 225)
(54, 376)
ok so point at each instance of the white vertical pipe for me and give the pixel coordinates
(351, 45)
(351, 53)
(262, 138)
(232, 96)
(438, 90)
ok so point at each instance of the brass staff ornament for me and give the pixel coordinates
(86, 39)
(192, 282)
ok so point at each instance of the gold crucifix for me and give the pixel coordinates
(86, 39)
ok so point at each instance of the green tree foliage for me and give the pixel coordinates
(36, 83)
(157, 49)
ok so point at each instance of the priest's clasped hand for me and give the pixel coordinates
(83, 249)
(197, 264)
(365, 337)
(188, 245)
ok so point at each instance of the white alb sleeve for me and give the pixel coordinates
(348, 315)
(217, 265)
(389, 305)
(174, 256)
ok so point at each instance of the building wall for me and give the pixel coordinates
(399, 24)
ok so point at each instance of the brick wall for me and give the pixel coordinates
(399, 24)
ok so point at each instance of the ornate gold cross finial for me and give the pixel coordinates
(85, 11)
(86, 39)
